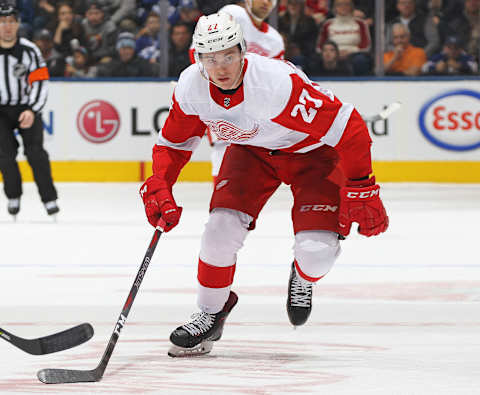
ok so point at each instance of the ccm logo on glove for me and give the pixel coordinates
(363, 195)
(360, 202)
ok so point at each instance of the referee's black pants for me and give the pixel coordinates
(36, 155)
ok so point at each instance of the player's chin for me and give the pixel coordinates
(224, 82)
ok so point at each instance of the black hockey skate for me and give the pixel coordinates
(196, 337)
(13, 206)
(51, 207)
(299, 301)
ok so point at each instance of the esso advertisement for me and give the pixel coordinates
(98, 121)
(452, 120)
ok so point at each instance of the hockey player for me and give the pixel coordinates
(260, 38)
(282, 128)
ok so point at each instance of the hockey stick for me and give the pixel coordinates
(59, 376)
(385, 113)
(57, 342)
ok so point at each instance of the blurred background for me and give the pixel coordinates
(112, 64)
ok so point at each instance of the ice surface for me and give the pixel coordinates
(398, 314)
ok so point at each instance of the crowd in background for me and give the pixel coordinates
(120, 38)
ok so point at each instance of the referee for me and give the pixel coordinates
(23, 93)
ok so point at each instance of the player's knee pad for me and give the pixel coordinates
(316, 252)
(224, 234)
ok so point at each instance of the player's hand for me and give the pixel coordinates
(160, 206)
(360, 202)
(26, 119)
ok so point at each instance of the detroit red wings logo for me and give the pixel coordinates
(227, 131)
(256, 48)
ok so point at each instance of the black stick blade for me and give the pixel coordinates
(62, 376)
(67, 339)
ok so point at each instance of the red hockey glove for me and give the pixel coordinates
(160, 205)
(360, 202)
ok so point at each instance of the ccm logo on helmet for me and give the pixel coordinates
(452, 120)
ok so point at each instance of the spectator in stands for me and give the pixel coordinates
(317, 9)
(66, 29)
(298, 27)
(148, 34)
(78, 65)
(351, 36)
(44, 12)
(119, 9)
(435, 12)
(79, 8)
(144, 8)
(328, 63)
(128, 24)
(292, 52)
(405, 59)
(100, 33)
(423, 30)
(26, 10)
(180, 39)
(127, 64)
(467, 27)
(186, 12)
(54, 59)
(365, 10)
(453, 60)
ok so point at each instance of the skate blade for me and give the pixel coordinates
(200, 349)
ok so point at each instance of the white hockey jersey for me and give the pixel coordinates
(265, 41)
(277, 107)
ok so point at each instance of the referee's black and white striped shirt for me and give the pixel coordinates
(23, 76)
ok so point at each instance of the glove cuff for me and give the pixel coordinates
(361, 183)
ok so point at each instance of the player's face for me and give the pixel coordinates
(8, 28)
(262, 8)
(223, 67)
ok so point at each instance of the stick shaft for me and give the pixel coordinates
(128, 303)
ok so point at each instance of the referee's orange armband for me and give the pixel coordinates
(38, 75)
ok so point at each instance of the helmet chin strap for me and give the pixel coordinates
(249, 7)
(254, 17)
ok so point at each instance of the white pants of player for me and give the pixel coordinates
(315, 252)
(216, 157)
